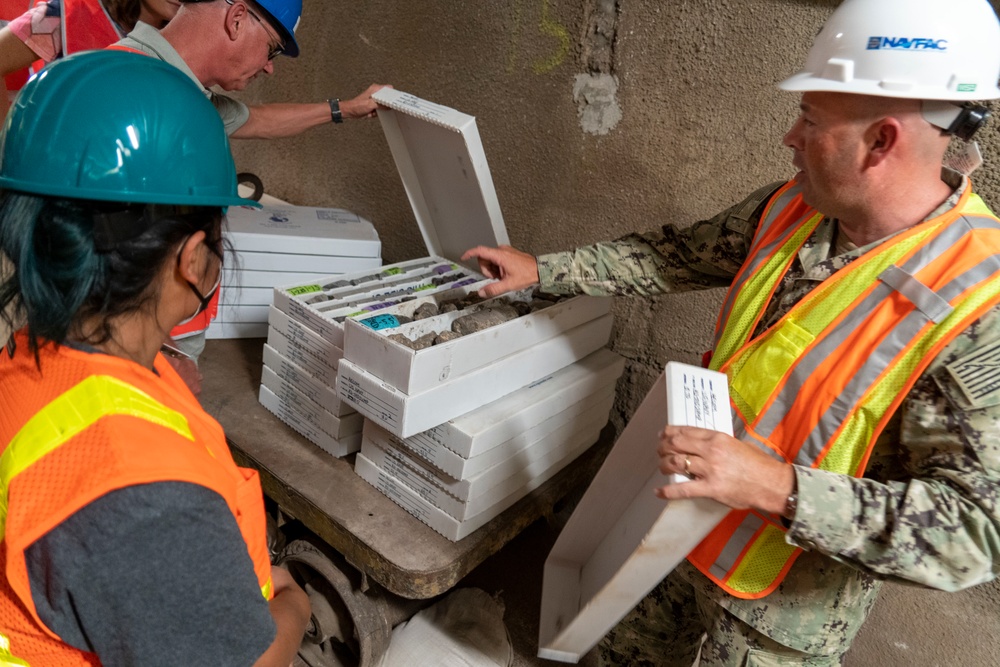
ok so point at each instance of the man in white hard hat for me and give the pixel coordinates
(861, 338)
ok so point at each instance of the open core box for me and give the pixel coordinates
(441, 161)
(622, 539)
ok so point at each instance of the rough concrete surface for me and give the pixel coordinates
(701, 126)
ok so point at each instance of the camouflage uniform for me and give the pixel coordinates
(927, 510)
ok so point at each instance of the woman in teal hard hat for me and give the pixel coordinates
(127, 533)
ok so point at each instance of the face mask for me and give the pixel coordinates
(204, 300)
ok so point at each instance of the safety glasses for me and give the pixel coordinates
(274, 48)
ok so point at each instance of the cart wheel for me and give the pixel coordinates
(275, 538)
(349, 626)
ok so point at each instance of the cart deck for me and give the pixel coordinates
(374, 534)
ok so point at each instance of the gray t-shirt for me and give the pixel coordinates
(154, 575)
(147, 39)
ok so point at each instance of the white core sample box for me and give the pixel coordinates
(508, 448)
(443, 167)
(622, 539)
(280, 244)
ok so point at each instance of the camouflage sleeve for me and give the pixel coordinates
(706, 254)
(928, 509)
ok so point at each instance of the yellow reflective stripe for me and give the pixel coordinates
(842, 456)
(817, 311)
(810, 317)
(762, 563)
(755, 292)
(8, 659)
(767, 365)
(976, 206)
(73, 412)
(267, 589)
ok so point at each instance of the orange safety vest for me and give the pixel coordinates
(817, 388)
(84, 426)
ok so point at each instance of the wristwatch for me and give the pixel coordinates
(335, 112)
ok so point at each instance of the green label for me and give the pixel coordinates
(392, 272)
(966, 87)
(305, 289)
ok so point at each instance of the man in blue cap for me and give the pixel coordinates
(227, 43)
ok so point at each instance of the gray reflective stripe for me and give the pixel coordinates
(920, 295)
(807, 364)
(888, 348)
(775, 209)
(946, 238)
(761, 254)
(901, 336)
(734, 546)
(845, 404)
(740, 433)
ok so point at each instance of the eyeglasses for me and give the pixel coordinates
(273, 51)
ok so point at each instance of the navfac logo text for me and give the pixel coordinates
(907, 43)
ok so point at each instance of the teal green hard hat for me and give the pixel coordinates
(117, 126)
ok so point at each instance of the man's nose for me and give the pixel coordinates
(791, 138)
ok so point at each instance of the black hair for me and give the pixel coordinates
(71, 264)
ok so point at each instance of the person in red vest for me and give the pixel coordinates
(128, 535)
(52, 28)
(861, 338)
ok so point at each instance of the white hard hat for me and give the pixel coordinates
(919, 49)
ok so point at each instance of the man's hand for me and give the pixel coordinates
(724, 469)
(514, 269)
(362, 106)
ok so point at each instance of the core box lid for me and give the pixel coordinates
(302, 230)
(441, 161)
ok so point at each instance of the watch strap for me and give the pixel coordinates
(335, 114)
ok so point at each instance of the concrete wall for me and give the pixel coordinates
(695, 124)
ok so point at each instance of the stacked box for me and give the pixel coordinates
(360, 331)
(459, 475)
(281, 244)
(305, 338)
(443, 167)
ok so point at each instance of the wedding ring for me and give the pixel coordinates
(687, 466)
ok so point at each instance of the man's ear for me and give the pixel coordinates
(191, 261)
(236, 16)
(881, 139)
